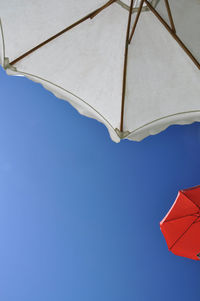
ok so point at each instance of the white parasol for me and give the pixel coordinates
(133, 65)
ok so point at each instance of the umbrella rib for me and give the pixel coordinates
(136, 21)
(183, 233)
(190, 200)
(95, 13)
(174, 35)
(174, 219)
(170, 16)
(89, 16)
(139, 12)
(125, 66)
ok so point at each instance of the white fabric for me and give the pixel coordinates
(186, 15)
(85, 65)
(162, 78)
(27, 23)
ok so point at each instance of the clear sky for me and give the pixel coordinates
(79, 214)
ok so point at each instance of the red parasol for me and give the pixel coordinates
(181, 225)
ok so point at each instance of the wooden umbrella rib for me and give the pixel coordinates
(170, 15)
(101, 8)
(89, 16)
(125, 66)
(136, 21)
(174, 35)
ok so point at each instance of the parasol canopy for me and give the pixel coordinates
(181, 225)
(132, 64)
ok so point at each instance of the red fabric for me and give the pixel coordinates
(181, 225)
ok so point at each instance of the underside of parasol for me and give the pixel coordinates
(121, 62)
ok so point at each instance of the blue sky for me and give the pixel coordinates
(79, 214)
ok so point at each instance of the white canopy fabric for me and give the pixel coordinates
(89, 67)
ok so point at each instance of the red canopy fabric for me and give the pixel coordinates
(181, 225)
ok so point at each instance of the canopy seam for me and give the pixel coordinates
(183, 234)
(79, 98)
(190, 200)
(155, 120)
